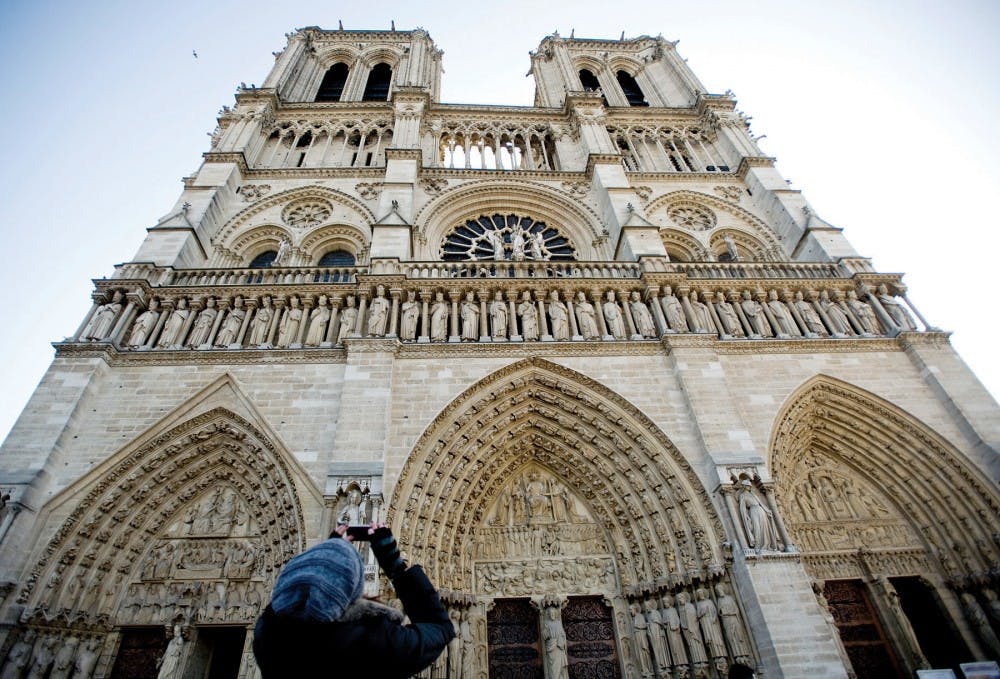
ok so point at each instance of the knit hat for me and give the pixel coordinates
(320, 583)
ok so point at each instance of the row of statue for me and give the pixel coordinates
(195, 559)
(687, 634)
(494, 317)
(36, 655)
(541, 576)
(206, 600)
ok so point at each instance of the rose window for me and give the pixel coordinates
(692, 217)
(306, 213)
(511, 237)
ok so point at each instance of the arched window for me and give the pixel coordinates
(264, 259)
(337, 258)
(377, 87)
(631, 89)
(333, 83)
(589, 80)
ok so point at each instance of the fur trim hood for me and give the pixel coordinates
(367, 608)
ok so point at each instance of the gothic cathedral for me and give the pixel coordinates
(638, 410)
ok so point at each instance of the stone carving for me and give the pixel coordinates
(691, 631)
(318, 320)
(838, 319)
(863, 313)
(528, 313)
(674, 311)
(758, 522)
(378, 313)
(103, 320)
(284, 250)
(288, 329)
(701, 315)
(144, 325)
(19, 656)
(439, 319)
(230, 330)
(536, 242)
(496, 242)
(203, 324)
(554, 641)
(433, 186)
(734, 631)
(558, 316)
(498, 317)
(980, 623)
(304, 214)
(43, 656)
(369, 190)
(86, 659)
(692, 217)
(348, 320)
(517, 243)
(62, 664)
(786, 326)
(727, 316)
(755, 316)
(544, 576)
(410, 317)
(253, 192)
(585, 318)
(579, 189)
(470, 318)
(897, 312)
(613, 317)
(356, 507)
(814, 324)
(675, 635)
(657, 637)
(643, 318)
(642, 641)
(711, 632)
(261, 323)
(730, 193)
(169, 664)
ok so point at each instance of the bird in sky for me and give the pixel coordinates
(194, 53)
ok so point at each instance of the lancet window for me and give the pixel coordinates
(377, 87)
(496, 147)
(337, 258)
(631, 90)
(322, 144)
(264, 260)
(506, 237)
(667, 149)
(333, 83)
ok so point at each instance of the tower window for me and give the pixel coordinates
(377, 87)
(264, 259)
(333, 83)
(631, 89)
(337, 258)
(589, 80)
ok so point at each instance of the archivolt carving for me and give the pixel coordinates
(206, 506)
(468, 201)
(577, 433)
(755, 226)
(260, 239)
(223, 239)
(889, 466)
(339, 236)
(748, 247)
(682, 247)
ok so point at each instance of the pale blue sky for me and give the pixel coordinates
(884, 114)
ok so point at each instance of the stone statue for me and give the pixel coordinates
(585, 318)
(454, 652)
(230, 330)
(439, 319)
(144, 325)
(758, 523)
(640, 314)
(170, 662)
(992, 603)
(261, 322)
(702, 315)
(672, 626)
(288, 331)
(410, 316)
(498, 316)
(863, 312)
(559, 316)
(62, 665)
(284, 248)
(174, 325)
(318, 319)
(755, 315)
(708, 620)
(44, 654)
(348, 319)
(657, 638)
(613, 317)
(470, 318)
(517, 244)
(103, 320)
(899, 315)
(496, 242)
(528, 313)
(834, 314)
(467, 634)
(731, 626)
(782, 316)
(203, 324)
(807, 312)
(378, 313)
(690, 630)
(975, 615)
(728, 317)
(674, 311)
(536, 242)
(19, 656)
(641, 626)
(86, 659)
(554, 638)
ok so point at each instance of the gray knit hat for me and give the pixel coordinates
(320, 583)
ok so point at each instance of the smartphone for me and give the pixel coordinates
(359, 533)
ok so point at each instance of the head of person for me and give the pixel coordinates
(319, 584)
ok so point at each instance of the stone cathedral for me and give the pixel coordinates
(635, 406)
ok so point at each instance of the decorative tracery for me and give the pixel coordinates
(506, 237)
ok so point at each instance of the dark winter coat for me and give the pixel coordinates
(368, 640)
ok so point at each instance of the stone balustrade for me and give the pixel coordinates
(736, 270)
(427, 303)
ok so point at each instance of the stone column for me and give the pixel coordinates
(125, 320)
(250, 305)
(394, 312)
(425, 332)
(653, 296)
(484, 331)
(597, 299)
(362, 312)
(90, 314)
(454, 296)
(623, 302)
(543, 323)
(512, 317)
(574, 332)
(279, 309)
(166, 308)
(334, 327)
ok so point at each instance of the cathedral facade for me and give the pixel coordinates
(638, 410)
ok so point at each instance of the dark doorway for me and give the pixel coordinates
(217, 653)
(937, 636)
(860, 630)
(590, 639)
(514, 648)
(139, 652)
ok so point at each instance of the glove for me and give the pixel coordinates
(386, 552)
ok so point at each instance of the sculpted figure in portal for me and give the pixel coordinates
(757, 519)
